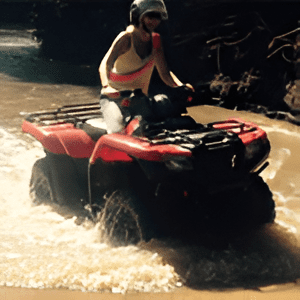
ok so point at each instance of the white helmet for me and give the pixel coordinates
(140, 7)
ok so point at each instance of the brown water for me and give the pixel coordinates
(39, 249)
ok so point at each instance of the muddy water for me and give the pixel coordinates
(40, 249)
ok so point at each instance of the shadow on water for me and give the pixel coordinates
(269, 256)
(20, 59)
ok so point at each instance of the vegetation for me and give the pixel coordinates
(222, 48)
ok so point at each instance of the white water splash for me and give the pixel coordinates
(41, 249)
(278, 158)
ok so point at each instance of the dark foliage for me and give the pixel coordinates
(224, 45)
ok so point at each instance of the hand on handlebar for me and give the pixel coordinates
(188, 85)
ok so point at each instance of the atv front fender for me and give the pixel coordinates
(121, 147)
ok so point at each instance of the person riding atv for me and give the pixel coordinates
(129, 63)
(164, 174)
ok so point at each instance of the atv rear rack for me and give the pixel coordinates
(66, 114)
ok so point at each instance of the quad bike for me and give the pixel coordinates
(163, 175)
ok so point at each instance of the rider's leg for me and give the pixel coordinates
(112, 115)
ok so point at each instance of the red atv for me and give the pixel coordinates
(164, 175)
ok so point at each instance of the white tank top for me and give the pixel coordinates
(130, 71)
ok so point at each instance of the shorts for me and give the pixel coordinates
(115, 115)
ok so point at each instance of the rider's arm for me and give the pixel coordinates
(165, 74)
(120, 46)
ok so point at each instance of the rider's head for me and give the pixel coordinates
(152, 8)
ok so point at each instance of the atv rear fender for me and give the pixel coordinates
(62, 139)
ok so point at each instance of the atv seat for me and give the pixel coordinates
(97, 123)
(95, 128)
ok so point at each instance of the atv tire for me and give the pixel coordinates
(125, 220)
(241, 211)
(40, 183)
(260, 201)
(53, 182)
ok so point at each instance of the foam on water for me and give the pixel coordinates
(10, 38)
(41, 249)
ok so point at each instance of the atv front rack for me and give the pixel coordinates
(66, 114)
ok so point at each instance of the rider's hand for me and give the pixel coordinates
(188, 85)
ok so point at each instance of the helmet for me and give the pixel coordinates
(140, 7)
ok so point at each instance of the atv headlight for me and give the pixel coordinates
(179, 164)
